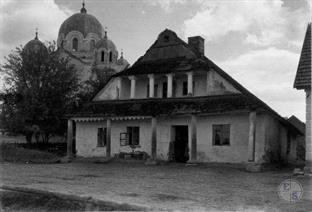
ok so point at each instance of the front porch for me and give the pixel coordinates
(155, 136)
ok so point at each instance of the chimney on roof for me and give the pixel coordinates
(198, 43)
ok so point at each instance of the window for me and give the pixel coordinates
(164, 90)
(102, 56)
(221, 134)
(75, 44)
(92, 45)
(184, 88)
(101, 137)
(174, 88)
(166, 38)
(147, 91)
(131, 137)
(155, 90)
(110, 56)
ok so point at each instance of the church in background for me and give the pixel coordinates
(83, 39)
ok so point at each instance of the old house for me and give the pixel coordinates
(174, 101)
(303, 82)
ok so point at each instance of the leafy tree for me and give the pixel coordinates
(97, 81)
(40, 88)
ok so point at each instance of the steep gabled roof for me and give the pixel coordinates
(158, 59)
(303, 76)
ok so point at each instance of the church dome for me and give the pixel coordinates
(83, 23)
(106, 43)
(35, 46)
(122, 60)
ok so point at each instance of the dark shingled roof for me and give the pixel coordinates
(303, 76)
(170, 106)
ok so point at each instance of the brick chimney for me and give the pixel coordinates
(198, 43)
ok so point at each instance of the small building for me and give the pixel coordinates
(303, 82)
(176, 104)
(296, 149)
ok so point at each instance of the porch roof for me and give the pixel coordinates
(170, 106)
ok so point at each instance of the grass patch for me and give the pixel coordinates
(31, 201)
(12, 153)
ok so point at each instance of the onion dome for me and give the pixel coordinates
(122, 60)
(81, 22)
(106, 43)
(35, 46)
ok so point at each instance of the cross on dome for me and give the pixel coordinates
(83, 9)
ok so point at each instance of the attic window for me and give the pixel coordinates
(166, 38)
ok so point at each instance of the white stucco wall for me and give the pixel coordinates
(86, 137)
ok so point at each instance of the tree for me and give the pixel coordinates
(40, 88)
(97, 81)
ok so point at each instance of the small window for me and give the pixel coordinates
(110, 56)
(184, 88)
(102, 56)
(174, 88)
(156, 90)
(147, 91)
(221, 134)
(75, 44)
(164, 91)
(166, 38)
(133, 135)
(101, 137)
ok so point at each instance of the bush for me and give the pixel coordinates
(13, 153)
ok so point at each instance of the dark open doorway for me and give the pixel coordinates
(181, 153)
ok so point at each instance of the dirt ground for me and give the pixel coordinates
(162, 187)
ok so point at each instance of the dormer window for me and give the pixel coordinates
(102, 56)
(75, 44)
(110, 57)
(166, 38)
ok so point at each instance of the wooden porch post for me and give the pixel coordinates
(108, 138)
(132, 89)
(154, 138)
(252, 136)
(69, 138)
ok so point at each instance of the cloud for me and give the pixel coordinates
(167, 5)
(19, 19)
(263, 22)
(269, 74)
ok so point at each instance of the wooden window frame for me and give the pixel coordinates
(127, 138)
(223, 128)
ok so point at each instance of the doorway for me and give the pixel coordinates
(181, 151)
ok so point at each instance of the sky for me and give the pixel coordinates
(257, 42)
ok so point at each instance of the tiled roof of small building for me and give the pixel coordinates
(303, 76)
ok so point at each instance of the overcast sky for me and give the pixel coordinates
(257, 42)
